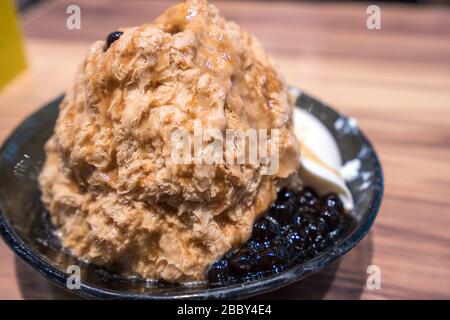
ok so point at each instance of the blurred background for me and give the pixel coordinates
(22, 4)
(394, 80)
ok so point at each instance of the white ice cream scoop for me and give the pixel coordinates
(321, 161)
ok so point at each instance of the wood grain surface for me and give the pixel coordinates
(394, 81)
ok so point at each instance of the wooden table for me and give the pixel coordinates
(394, 81)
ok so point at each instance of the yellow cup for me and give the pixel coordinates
(12, 57)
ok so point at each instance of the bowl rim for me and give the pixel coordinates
(241, 290)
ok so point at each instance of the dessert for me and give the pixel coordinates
(117, 197)
(109, 182)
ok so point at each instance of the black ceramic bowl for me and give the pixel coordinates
(26, 228)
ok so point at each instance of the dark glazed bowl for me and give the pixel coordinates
(26, 228)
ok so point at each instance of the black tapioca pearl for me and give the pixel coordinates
(282, 212)
(112, 37)
(219, 272)
(316, 229)
(265, 229)
(242, 262)
(307, 197)
(332, 200)
(256, 246)
(318, 245)
(285, 195)
(333, 234)
(331, 217)
(303, 216)
(296, 243)
(273, 258)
